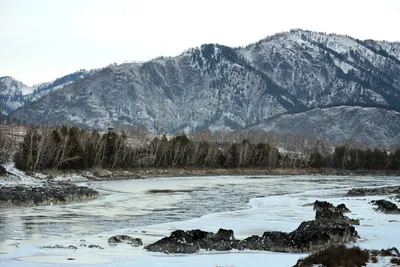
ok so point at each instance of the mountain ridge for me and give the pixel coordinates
(223, 88)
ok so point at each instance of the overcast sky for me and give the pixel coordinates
(41, 40)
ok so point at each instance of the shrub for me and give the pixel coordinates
(336, 256)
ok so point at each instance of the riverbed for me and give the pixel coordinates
(151, 208)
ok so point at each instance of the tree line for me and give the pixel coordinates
(74, 148)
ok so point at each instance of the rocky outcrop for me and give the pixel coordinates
(324, 205)
(118, 239)
(192, 241)
(385, 206)
(309, 236)
(329, 227)
(388, 190)
(47, 194)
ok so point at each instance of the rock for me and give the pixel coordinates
(49, 193)
(3, 171)
(192, 241)
(388, 190)
(342, 208)
(95, 246)
(70, 259)
(329, 227)
(385, 206)
(326, 211)
(309, 236)
(389, 252)
(59, 247)
(329, 215)
(323, 205)
(136, 242)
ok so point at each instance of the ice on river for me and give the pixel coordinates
(151, 208)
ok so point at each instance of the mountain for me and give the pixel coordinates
(218, 87)
(14, 94)
(11, 94)
(367, 125)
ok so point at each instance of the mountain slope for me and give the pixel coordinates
(367, 125)
(219, 87)
(11, 94)
(205, 87)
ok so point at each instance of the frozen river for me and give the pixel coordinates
(152, 208)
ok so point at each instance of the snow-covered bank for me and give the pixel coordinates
(282, 209)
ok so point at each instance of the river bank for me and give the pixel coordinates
(99, 174)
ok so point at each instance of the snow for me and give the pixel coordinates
(280, 211)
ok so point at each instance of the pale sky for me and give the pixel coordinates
(41, 40)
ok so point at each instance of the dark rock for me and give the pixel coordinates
(328, 212)
(309, 236)
(49, 193)
(95, 246)
(330, 215)
(389, 252)
(388, 190)
(192, 241)
(329, 227)
(342, 208)
(59, 247)
(70, 259)
(323, 205)
(136, 242)
(3, 171)
(385, 206)
(224, 234)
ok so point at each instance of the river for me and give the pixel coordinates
(152, 208)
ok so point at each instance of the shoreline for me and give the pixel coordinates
(122, 174)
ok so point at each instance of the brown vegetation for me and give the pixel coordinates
(336, 256)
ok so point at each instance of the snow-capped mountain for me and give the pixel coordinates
(12, 94)
(219, 87)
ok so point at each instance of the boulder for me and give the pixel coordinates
(385, 206)
(117, 239)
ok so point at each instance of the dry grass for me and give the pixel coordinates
(336, 256)
(395, 261)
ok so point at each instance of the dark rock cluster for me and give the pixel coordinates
(385, 206)
(117, 239)
(388, 190)
(329, 227)
(46, 194)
